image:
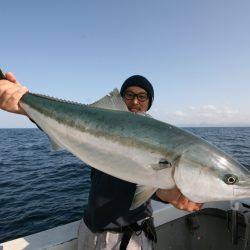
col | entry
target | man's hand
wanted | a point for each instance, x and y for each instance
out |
(178, 200)
(11, 92)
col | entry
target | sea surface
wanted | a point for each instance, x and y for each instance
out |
(40, 189)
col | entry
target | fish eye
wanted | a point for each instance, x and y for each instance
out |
(230, 179)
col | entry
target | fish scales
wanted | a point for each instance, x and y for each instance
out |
(135, 148)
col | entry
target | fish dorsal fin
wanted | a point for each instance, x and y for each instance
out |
(144, 114)
(112, 101)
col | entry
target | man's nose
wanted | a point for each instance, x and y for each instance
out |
(135, 100)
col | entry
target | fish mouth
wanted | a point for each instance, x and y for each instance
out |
(242, 189)
(241, 192)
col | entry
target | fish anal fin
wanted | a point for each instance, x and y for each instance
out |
(54, 145)
(142, 194)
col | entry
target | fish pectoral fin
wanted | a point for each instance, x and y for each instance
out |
(162, 164)
(111, 101)
(142, 194)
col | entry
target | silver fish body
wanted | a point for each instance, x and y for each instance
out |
(139, 149)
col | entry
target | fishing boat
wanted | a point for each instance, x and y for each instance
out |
(218, 226)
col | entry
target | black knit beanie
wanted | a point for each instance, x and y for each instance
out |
(141, 82)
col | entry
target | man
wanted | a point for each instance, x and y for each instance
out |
(108, 222)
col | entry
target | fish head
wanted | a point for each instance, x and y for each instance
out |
(204, 173)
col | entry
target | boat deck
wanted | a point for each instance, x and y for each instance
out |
(176, 229)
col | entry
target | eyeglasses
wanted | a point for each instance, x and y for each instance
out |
(142, 97)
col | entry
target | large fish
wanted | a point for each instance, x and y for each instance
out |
(139, 149)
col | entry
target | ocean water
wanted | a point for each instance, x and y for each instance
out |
(41, 190)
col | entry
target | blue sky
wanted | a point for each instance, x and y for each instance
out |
(195, 53)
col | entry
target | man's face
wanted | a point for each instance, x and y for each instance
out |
(137, 103)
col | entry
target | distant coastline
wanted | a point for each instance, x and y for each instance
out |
(234, 125)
